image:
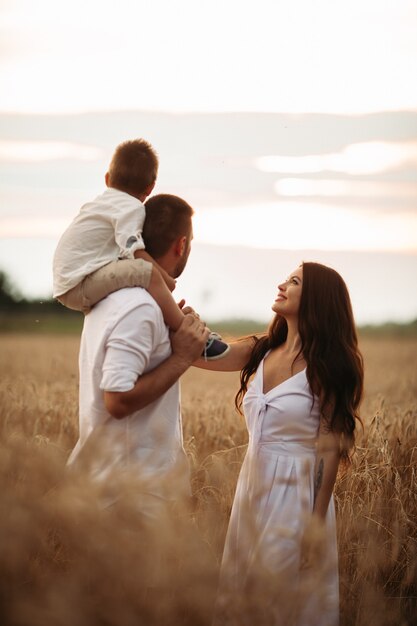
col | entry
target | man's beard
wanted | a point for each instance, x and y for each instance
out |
(182, 262)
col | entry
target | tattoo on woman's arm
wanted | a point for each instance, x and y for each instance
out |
(319, 478)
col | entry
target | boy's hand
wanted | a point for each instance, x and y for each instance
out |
(189, 340)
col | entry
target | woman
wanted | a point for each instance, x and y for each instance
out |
(280, 558)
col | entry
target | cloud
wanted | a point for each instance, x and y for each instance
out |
(310, 225)
(38, 151)
(210, 161)
(284, 56)
(346, 187)
(32, 227)
(355, 159)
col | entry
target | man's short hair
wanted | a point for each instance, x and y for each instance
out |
(134, 166)
(167, 218)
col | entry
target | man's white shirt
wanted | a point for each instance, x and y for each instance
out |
(125, 336)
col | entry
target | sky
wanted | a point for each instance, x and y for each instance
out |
(290, 126)
(234, 55)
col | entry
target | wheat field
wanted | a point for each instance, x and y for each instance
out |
(63, 562)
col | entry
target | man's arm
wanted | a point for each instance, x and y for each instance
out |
(187, 344)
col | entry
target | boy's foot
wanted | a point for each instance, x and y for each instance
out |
(215, 348)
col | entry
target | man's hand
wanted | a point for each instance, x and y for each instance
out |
(189, 340)
(188, 310)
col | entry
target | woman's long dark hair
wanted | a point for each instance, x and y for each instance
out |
(329, 345)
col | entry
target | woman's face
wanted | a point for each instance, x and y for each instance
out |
(287, 302)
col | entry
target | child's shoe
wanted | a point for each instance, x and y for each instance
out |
(215, 348)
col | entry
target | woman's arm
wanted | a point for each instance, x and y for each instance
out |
(325, 471)
(233, 361)
(327, 463)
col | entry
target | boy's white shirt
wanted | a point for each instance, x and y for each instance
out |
(108, 228)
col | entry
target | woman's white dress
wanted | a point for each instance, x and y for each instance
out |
(261, 580)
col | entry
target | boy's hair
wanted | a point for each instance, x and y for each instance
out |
(167, 218)
(134, 166)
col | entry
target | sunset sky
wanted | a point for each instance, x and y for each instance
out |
(216, 55)
(343, 181)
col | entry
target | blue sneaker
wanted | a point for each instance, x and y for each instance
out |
(215, 348)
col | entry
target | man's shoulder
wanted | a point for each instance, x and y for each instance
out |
(133, 298)
(134, 295)
(123, 309)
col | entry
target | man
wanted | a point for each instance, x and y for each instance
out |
(129, 369)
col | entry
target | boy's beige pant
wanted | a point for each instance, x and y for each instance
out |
(111, 277)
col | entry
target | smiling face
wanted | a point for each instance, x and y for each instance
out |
(287, 302)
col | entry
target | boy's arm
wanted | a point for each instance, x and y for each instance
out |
(142, 254)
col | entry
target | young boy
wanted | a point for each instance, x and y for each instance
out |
(102, 250)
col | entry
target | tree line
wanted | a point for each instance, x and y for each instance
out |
(12, 301)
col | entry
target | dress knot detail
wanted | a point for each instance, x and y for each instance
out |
(262, 404)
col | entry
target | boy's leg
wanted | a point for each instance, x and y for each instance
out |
(117, 275)
(111, 277)
(134, 273)
(158, 289)
(73, 299)
(114, 276)
(215, 348)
